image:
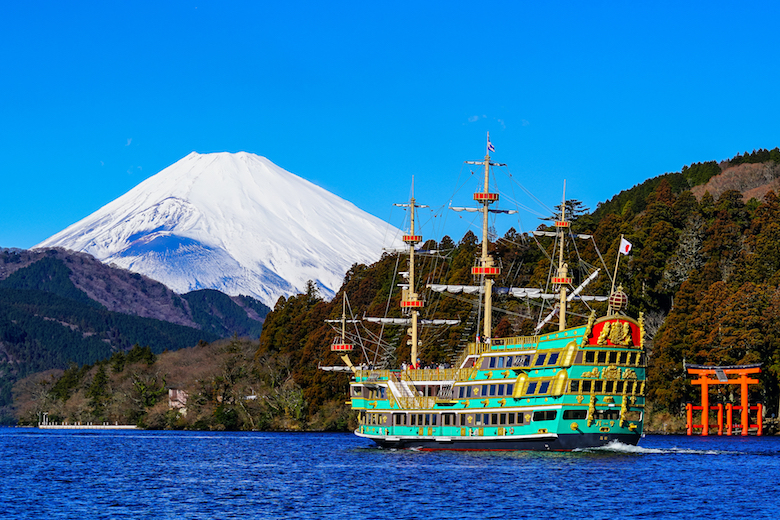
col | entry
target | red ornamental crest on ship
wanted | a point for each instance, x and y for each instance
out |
(619, 332)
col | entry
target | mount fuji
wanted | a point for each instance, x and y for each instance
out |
(232, 222)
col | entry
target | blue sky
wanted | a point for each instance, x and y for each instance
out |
(358, 97)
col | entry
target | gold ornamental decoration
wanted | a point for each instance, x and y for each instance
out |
(594, 374)
(588, 328)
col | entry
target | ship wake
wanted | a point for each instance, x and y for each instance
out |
(619, 447)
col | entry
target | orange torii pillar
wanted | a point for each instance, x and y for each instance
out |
(721, 378)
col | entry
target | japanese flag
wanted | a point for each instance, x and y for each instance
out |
(625, 246)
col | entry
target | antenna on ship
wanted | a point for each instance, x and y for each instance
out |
(487, 268)
(410, 300)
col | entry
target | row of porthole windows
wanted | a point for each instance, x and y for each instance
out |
(543, 387)
(600, 386)
(478, 419)
(613, 357)
(522, 360)
(467, 392)
(556, 386)
(599, 357)
(486, 419)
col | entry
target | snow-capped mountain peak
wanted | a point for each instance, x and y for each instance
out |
(234, 222)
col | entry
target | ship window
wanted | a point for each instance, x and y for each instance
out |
(461, 390)
(510, 388)
(427, 419)
(609, 387)
(468, 391)
(449, 419)
(598, 386)
(414, 420)
(553, 358)
(601, 358)
(478, 419)
(547, 415)
(463, 419)
(629, 387)
(399, 419)
(511, 418)
(540, 360)
(623, 358)
(492, 389)
(575, 386)
(619, 387)
(607, 415)
(494, 418)
(435, 419)
(521, 418)
(383, 392)
(613, 356)
(500, 389)
(501, 362)
(509, 361)
(586, 386)
(575, 414)
(590, 356)
(531, 388)
(484, 390)
(543, 387)
(502, 419)
(357, 390)
(492, 362)
(631, 358)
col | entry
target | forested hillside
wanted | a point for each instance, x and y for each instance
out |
(50, 317)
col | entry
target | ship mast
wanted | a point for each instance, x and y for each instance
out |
(410, 300)
(486, 268)
(562, 280)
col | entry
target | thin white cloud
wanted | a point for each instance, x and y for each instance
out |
(129, 140)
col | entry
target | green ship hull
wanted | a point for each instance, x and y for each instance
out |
(577, 388)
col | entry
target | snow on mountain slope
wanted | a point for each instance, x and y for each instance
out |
(232, 222)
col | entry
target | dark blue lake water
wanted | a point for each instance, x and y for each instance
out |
(149, 474)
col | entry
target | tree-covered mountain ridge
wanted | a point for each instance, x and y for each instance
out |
(58, 307)
(753, 174)
(118, 289)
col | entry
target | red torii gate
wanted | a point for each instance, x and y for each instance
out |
(721, 377)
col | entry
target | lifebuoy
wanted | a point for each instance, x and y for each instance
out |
(511, 431)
